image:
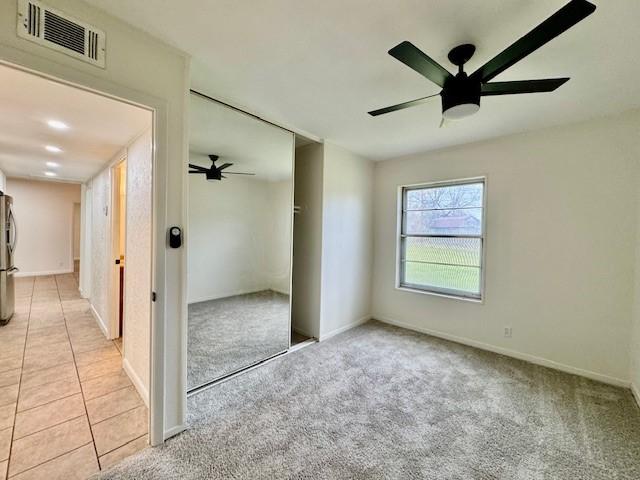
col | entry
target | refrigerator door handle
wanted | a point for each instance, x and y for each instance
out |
(14, 231)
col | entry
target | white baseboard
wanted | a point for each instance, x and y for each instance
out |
(232, 294)
(281, 292)
(512, 353)
(337, 331)
(636, 393)
(174, 431)
(98, 318)
(42, 273)
(137, 382)
(224, 295)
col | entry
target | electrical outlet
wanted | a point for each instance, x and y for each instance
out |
(507, 332)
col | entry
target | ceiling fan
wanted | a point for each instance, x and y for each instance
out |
(214, 173)
(461, 93)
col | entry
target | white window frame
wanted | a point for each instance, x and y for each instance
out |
(441, 292)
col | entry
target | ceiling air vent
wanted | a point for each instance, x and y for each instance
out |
(50, 27)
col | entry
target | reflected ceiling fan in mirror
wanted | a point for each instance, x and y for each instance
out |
(214, 173)
(461, 92)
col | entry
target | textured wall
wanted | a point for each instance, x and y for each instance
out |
(137, 323)
(101, 263)
(149, 72)
(76, 229)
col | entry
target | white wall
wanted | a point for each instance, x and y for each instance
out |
(101, 265)
(3, 181)
(137, 280)
(347, 230)
(634, 348)
(137, 276)
(239, 237)
(279, 234)
(332, 240)
(44, 219)
(133, 60)
(307, 240)
(84, 276)
(560, 248)
(77, 209)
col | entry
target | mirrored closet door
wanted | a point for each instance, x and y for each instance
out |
(239, 240)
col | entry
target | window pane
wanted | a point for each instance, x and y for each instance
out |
(444, 222)
(466, 279)
(456, 251)
(453, 196)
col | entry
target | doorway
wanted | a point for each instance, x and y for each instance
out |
(69, 186)
(77, 226)
(118, 248)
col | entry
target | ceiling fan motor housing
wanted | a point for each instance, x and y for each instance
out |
(212, 175)
(460, 96)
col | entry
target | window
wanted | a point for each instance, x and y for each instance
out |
(442, 238)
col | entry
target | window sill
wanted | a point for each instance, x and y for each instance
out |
(443, 295)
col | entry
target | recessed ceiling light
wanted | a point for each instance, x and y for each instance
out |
(51, 174)
(57, 124)
(52, 164)
(52, 149)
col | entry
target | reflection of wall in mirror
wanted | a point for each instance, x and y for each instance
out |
(279, 234)
(239, 237)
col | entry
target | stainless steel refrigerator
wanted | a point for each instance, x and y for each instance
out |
(8, 238)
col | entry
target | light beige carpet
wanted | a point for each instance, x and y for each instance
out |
(380, 402)
(228, 334)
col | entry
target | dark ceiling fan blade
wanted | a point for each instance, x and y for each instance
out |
(197, 167)
(238, 173)
(416, 59)
(562, 20)
(224, 165)
(197, 171)
(401, 106)
(522, 86)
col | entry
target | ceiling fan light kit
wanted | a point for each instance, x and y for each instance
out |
(461, 93)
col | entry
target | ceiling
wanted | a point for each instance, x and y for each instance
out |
(252, 145)
(320, 68)
(99, 128)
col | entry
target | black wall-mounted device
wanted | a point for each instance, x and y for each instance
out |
(175, 237)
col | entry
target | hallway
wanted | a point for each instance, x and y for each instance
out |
(67, 408)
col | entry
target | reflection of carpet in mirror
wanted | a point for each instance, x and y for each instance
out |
(230, 333)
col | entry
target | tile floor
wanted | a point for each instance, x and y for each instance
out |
(67, 409)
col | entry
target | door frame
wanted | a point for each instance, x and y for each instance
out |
(114, 247)
(159, 108)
